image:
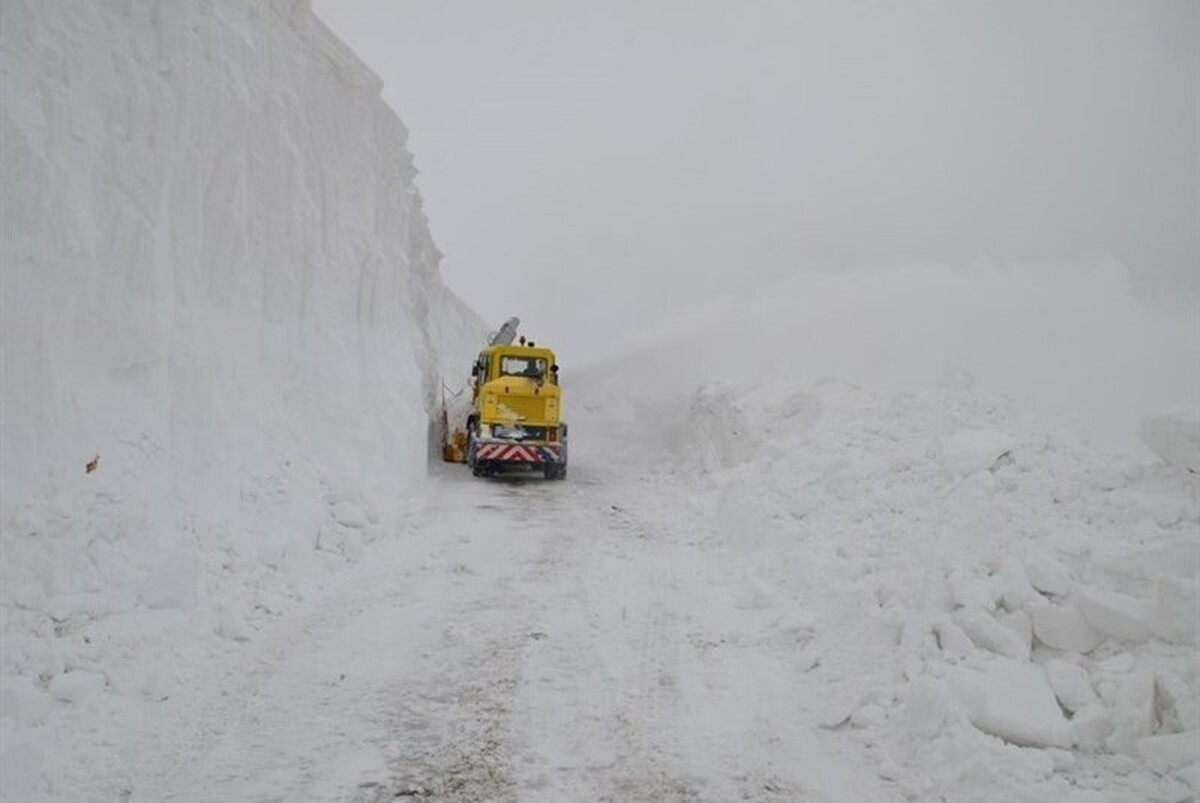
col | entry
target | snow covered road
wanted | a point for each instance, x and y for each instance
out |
(524, 641)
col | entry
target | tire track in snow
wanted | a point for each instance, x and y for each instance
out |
(649, 715)
(525, 641)
(409, 662)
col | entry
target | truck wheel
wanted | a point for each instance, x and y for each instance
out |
(472, 461)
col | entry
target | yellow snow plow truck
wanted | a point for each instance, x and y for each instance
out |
(514, 419)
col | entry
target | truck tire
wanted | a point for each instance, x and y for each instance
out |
(476, 467)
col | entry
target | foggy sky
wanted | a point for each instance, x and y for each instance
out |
(600, 164)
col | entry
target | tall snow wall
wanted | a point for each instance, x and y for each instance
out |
(219, 294)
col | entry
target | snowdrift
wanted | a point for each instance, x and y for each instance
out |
(996, 610)
(223, 326)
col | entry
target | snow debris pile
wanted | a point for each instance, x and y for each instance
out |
(223, 327)
(979, 582)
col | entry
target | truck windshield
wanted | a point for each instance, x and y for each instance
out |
(523, 366)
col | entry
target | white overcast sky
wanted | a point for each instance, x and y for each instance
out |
(602, 163)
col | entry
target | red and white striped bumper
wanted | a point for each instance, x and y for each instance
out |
(508, 452)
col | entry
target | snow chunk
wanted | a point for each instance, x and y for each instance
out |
(953, 641)
(349, 514)
(969, 591)
(1070, 685)
(870, 715)
(77, 685)
(1013, 701)
(1064, 628)
(1015, 587)
(989, 634)
(1176, 613)
(1047, 574)
(1091, 727)
(970, 450)
(1132, 706)
(1115, 614)
(1174, 437)
(1170, 751)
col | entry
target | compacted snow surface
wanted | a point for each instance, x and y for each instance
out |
(263, 590)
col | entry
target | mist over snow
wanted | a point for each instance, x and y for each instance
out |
(685, 150)
(878, 327)
(1068, 341)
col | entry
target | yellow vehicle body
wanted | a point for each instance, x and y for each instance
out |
(515, 418)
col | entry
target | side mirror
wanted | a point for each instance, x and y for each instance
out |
(554, 368)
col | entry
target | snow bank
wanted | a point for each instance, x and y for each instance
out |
(223, 326)
(985, 583)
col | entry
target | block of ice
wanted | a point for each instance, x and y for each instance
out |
(1064, 628)
(986, 633)
(1070, 685)
(1176, 609)
(1132, 708)
(1047, 574)
(1115, 614)
(1091, 727)
(1013, 701)
(1015, 587)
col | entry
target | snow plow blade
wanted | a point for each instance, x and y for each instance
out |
(454, 449)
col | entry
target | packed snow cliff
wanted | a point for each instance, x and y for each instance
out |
(223, 321)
